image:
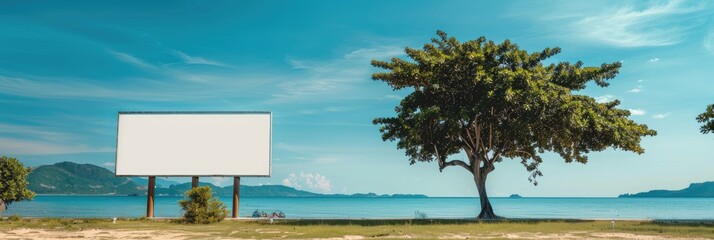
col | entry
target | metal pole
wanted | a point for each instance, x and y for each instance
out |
(194, 182)
(236, 196)
(150, 197)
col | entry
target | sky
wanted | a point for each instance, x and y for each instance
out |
(67, 68)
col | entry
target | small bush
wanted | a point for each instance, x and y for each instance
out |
(200, 206)
(13, 218)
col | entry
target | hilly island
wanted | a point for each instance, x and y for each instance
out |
(86, 179)
(704, 190)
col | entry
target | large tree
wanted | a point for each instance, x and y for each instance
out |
(707, 118)
(13, 181)
(494, 102)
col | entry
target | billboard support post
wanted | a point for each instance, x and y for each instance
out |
(150, 197)
(236, 196)
(194, 182)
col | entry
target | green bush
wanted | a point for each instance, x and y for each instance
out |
(13, 181)
(200, 206)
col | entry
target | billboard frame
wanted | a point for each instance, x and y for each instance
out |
(270, 138)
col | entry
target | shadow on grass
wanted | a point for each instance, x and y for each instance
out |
(382, 222)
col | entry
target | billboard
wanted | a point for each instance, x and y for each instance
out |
(193, 144)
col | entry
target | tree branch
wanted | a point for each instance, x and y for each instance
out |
(490, 133)
(443, 164)
(468, 143)
(480, 147)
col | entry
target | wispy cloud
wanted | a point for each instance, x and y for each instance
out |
(332, 78)
(34, 132)
(34, 147)
(637, 89)
(137, 89)
(637, 112)
(627, 24)
(604, 98)
(392, 96)
(308, 181)
(661, 115)
(197, 60)
(43, 140)
(47, 87)
(709, 41)
(172, 71)
(653, 60)
(127, 58)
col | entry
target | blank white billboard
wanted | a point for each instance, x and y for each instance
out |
(193, 144)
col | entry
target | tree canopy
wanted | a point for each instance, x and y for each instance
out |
(494, 101)
(707, 119)
(13, 181)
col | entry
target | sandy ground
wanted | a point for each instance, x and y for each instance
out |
(164, 234)
(96, 234)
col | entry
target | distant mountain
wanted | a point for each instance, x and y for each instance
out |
(159, 182)
(245, 191)
(73, 178)
(705, 189)
(268, 191)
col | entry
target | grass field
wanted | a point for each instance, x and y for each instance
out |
(352, 229)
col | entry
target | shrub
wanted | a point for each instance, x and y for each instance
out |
(13, 182)
(200, 206)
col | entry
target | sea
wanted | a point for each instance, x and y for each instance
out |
(378, 208)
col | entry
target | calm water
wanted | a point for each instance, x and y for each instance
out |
(588, 208)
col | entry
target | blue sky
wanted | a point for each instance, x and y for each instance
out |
(67, 68)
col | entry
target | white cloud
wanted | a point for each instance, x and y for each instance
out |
(604, 98)
(197, 60)
(637, 112)
(108, 164)
(308, 181)
(653, 60)
(639, 81)
(625, 23)
(36, 147)
(166, 89)
(661, 115)
(392, 96)
(709, 41)
(35, 132)
(332, 78)
(127, 58)
(379, 52)
(637, 89)
(42, 87)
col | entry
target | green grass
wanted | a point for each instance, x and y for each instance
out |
(416, 229)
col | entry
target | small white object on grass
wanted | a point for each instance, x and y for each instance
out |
(271, 220)
(613, 224)
(114, 220)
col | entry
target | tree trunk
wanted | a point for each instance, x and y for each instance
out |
(486, 209)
